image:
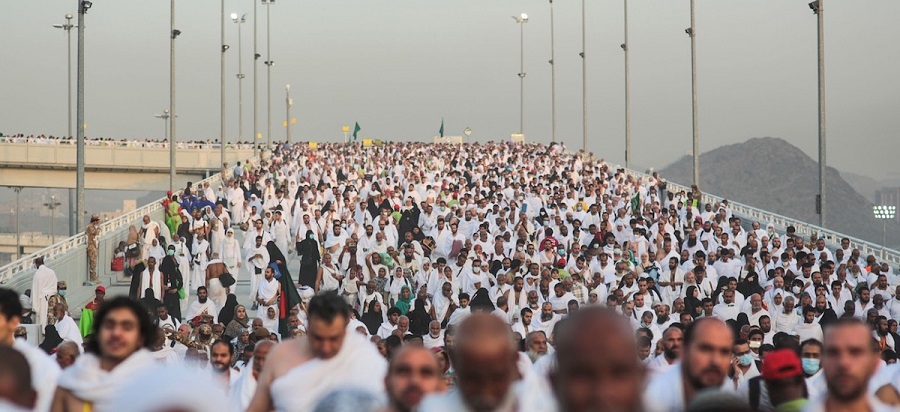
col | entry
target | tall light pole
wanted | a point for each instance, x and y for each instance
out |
(884, 214)
(817, 8)
(52, 204)
(222, 82)
(83, 7)
(170, 112)
(18, 190)
(165, 116)
(625, 47)
(692, 33)
(521, 20)
(583, 75)
(240, 75)
(288, 102)
(67, 26)
(269, 63)
(255, 97)
(552, 76)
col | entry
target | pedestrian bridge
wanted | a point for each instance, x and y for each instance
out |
(69, 256)
(29, 162)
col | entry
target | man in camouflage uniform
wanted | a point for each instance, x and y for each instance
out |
(60, 298)
(93, 248)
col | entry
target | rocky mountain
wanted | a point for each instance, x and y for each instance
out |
(771, 174)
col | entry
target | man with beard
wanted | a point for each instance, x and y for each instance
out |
(435, 336)
(705, 363)
(597, 366)
(672, 341)
(202, 306)
(848, 360)
(299, 372)
(547, 320)
(220, 356)
(536, 346)
(413, 373)
(882, 334)
(122, 333)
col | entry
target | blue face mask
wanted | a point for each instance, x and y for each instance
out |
(170, 252)
(810, 366)
(561, 252)
(62, 293)
(745, 360)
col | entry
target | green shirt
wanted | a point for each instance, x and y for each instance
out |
(792, 406)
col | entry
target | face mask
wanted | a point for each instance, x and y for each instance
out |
(62, 293)
(810, 366)
(476, 270)
(754, 344)
(796, 289)
(745, 360)
(561, 252)
(170, 252)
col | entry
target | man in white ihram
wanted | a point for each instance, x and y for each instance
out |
(298, 373)
(42, 287)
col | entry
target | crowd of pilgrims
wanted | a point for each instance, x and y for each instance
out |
(417, 238)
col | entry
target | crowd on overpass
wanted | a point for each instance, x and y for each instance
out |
(109, 142)
(474, 277)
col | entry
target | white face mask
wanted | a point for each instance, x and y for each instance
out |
(476, 270)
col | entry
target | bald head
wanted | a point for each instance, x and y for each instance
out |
(66, 353)
(485, 360)
(260, 353)
(15, 379)
(598, 365)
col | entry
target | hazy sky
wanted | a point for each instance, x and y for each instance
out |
(398, 66)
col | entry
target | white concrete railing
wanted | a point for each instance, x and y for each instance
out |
(31, 140)
(69, 257)
(102, 157)
(805, 230)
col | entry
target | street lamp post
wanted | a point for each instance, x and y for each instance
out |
(165, 116)
(52, 204)
(222, 82)
(240, 75)
(83, 7)
(170, 112)
(552, 77)
(67, 26)
(521, 20)
(817, 8)
(692, 33)
(625, 47)
(583, 75)
(884, 213)
(18, 190)
(269, 63)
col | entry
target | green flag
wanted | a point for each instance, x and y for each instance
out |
(442, 127)
(356, 130)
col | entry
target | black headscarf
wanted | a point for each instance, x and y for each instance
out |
(51, 339)
(373, 319)
(419, 319)
(750, 285)
(690, 302)
(308, 249)
(481, 300)
(227, 312)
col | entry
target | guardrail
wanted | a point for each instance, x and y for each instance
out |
(69, 256)
(156, 144)
(805, 230)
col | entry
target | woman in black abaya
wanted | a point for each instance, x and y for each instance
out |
(309, 260)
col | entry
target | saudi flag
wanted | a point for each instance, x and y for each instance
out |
(442, 127)
(356, 130)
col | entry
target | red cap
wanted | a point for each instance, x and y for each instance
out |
(100, 288)
(781, 364)
(561, 262)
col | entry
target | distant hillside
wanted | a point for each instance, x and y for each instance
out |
(771, 174)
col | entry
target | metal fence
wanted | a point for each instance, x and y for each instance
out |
(805, 230)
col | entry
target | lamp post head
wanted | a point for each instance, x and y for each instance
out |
(524, 17)
(814, 6)
(69, 17)
(884, 211)
(166, 111)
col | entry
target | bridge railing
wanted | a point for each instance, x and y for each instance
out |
(69, 256)
(30, 140)
(805, 230)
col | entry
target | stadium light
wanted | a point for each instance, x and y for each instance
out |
(884, 213)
